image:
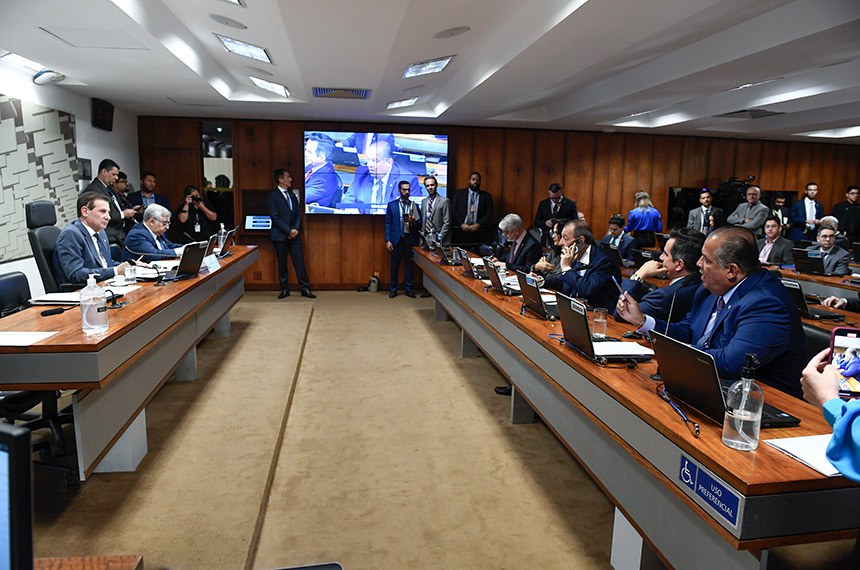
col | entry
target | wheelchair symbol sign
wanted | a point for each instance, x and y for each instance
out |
(688, 473)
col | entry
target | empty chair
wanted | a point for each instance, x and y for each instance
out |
(43, 231)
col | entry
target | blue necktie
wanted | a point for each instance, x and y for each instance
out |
(712, 323)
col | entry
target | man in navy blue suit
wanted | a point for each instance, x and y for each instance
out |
(148, 239)
(402, 228)
(740, 308)
(376, 183)
(147, 195)
(586, 271)
(82, 247)
(286, 215)
(322, 184)
(806, 215)
(678, 264)
(616, 237)
(525, 249)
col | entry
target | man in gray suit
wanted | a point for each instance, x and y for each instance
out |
(836, 259)
(751, 214)
(436, 216)
(773, 248)
(699, 218)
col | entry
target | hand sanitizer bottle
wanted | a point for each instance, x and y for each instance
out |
(94, 314)
(744, 402)
(222, 237)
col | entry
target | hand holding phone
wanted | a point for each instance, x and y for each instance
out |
(845, 355)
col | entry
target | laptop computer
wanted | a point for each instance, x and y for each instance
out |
(471, 269)
(448, 257)
(577, 333)
(640, 256)
(855, 249)
(189, 263)
(228, 241)
(690, 376)
(542, 304)
(661, 240)
(806, 311)
(496, 279)
(808, 261)
(613, 253)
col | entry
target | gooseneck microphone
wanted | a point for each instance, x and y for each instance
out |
(159, 279)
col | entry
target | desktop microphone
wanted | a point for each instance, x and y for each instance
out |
(56, 311)
(159, 279)
(113, 298)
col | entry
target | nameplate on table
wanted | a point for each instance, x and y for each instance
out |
(716, 496)
(211, 264)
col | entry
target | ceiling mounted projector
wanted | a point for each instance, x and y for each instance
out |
(47, 76)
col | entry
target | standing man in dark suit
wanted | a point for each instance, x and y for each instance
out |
(699, 218)
(402, 227)
(146, 195)
(740, 308)
(525, 249)
(616, 237)
(82, 247)
(472, 213)
(782, 213)
(848, 214)
(773, 248)
(806, 215)
(376, 183)
(436, 213)
(286, 215)
(120, 210)
(678, 263)
(836, 259)
(586, 271)
(556, 207)
(322, 184)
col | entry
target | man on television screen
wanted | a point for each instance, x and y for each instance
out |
(322, 184)
(376, 183)
(472, 213)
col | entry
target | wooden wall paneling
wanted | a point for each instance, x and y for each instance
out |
(487, 156)
(646, 160)
(748, 159)
(773, 160)
(174, 168)
(287, 142)
(459, 158)
(665, 173)
(694, 162)
(636, 148)
(263, 275)
(168, 132)
(324, 249)
(549, 163)
(358, 250)
(608, 194)
(518, 175)
(798, 168)
(252, 155)
(579, 151)
(721, 161)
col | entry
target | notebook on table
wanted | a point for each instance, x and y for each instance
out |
(806, 311)
(540, 303)
(577, 333)
(690, 376)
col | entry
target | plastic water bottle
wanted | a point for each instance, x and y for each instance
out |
(94, 313)
(744, 402)
(222, 238)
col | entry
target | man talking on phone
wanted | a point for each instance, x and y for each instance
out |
(740, 308)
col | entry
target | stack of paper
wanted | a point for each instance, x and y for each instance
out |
(809, 450)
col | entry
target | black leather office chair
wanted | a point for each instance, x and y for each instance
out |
(16, 405)
(816, 340)
(43, 231)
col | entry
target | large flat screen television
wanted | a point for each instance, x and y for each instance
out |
(358, 172)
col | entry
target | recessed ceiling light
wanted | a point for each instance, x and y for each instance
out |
(843, 133)
(225, 21)
(425, 67)
(245, 49)
(19, 61)
(259, 71)
(276, 88)
(403, 103)
(451, 33)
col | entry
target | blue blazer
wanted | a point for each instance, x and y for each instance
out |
(323, 187)
(361, 189)
(528, 254)
(658, 303)
(75, 255)
(394, 223)
(644, 219)
(136, 199)
(760, 319)
(140, 241)
(625, 248)
(595, 284)
(285, 217)
(798, 220)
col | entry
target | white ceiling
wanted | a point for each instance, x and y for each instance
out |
(555, 64)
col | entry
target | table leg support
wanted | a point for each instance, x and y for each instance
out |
(468, 348)
(187, 369)
(129, 450)
(439, 313)
(521, 410)
(629, 551)
(222, 327)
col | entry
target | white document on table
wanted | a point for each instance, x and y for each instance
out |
(23, 338)
(809, 450)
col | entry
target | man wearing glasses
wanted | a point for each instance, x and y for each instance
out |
(148, 239)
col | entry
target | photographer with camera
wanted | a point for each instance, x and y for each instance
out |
(196, 219)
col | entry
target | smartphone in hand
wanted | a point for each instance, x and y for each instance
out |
(845, 355)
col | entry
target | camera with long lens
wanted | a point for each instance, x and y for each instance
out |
(196, 199)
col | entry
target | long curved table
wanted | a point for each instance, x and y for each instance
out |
(695, 502)
(116, 374)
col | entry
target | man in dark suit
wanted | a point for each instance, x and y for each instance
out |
(82, 247)
(146, 195)
(678, 263)
(699, 218)
(556, 207)
(525, 249)
(806, 215)
(848, 214)
(782, 213)
(322, 184)
(286, 214)
(376, 183)
(587, 271)
(472, 213)
(836, 259)
(120, 210)
(616, 237)
(402, 227)
(435, 213)
(148, 238)
(740, 309)
(773, 248)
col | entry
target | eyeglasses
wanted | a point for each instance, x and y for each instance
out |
(162, 222)
(694, 427)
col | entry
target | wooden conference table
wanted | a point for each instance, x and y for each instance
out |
(116, 374)
(696, 502)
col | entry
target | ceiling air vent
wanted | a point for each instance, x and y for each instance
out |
(750, 114)
(341, 93)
